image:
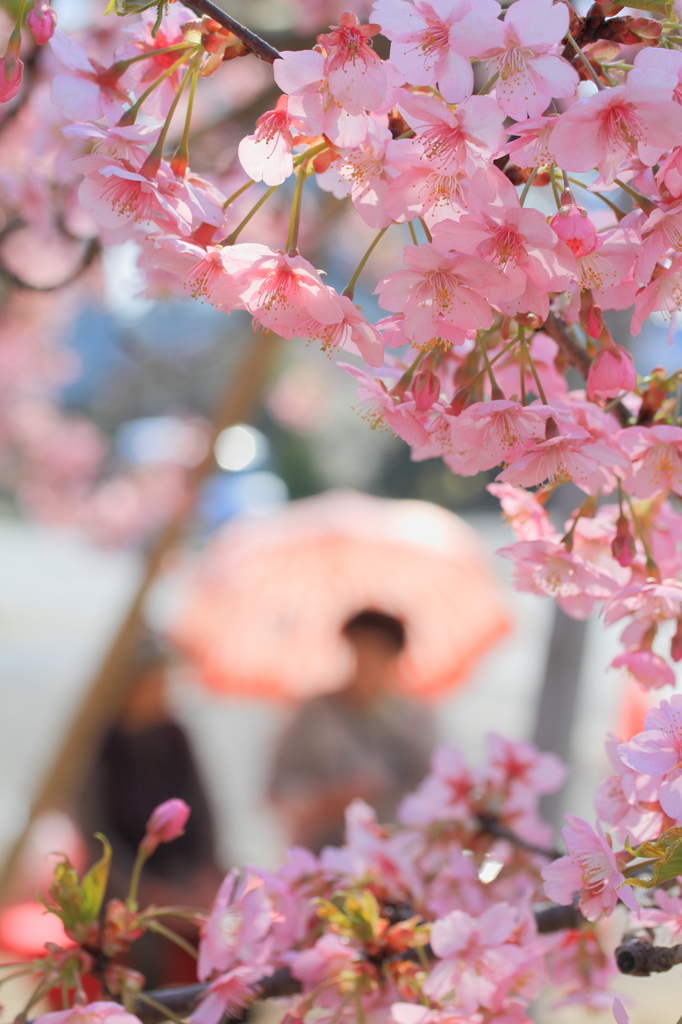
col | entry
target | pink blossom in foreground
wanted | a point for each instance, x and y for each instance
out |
(166, 823)
(520, 49)
(612, 372)
(649, 670)
(42, 21)
(606, 129)
(237, 926)
(229, 994)
(656, 454)
(11, 75)
(383, 409)
(548, 567)
(433, 43)
(266, 155)
(352, 333)
(662, 295)
(201, 271)
(92, 1013)
(85, 91)
(489, 433)
(361, 173)
(118, 196)
(475, 955)
(283, 292)
(590, 869)
(457, 138)
(357, 76)
(531, 146)
(668, 915)
(658, 751)
(441, 296)
(589, 464)
(527, 517)
(628, 801)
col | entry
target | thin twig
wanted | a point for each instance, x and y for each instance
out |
(262, 49)
(91, 252)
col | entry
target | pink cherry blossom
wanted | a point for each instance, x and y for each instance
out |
(628, 800)
(229, 994)
(548, 567)
(440, 295)
(118, 196)
(647, 668)
(266, 155)
(612, 372)
(357, 76)
(649, 602)
(237, 926)
(361, 173)
(520, 50)
(489, 433)
(124, 142)
(668, 916)
(201, 271)
(611, 126)
(455, 138)
(499, 229)
(658, 751)
(42, 21)
(430, 42)
(590, 869)
(352, 333)
(86, 91)
(283, 292)
(475, 955)
(383, 409)
(324, 961)
(525, 514)
(445, 794)
(531, 146)
(656, 455)
(588, 463)
(419, 189)
(544, 351)
(140, 74)
(166, 823)
(92, 1013)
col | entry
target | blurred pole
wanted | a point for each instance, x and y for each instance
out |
(110, 686)
(558, 698)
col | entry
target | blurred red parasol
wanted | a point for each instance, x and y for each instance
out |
(270, 595)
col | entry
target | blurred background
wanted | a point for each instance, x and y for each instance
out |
(137, 429)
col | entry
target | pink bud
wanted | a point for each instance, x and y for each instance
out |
(42, 21)
(574, 227)
(623, 546)
(166, 823)
(425, 390)
(612, 372)
(11, 72)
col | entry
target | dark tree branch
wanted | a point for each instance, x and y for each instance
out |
(640, 957)
(183, 1000)
(91, 252)
(489, 823)
(264, 51)
(577, 357)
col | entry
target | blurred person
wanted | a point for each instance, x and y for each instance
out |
(364, 740)
(145, 758)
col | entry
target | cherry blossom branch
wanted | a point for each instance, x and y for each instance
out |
(638, 956)
(182, 1000)
(91, 252)
(577, 357)
(489, 823)
(262, 49)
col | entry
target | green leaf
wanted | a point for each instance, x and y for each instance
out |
(94, 884)
(663, 7)
(664, 855)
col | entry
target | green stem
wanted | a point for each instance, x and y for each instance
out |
(295, 219)
(350, 287)
(533, 370)
(14, 41)
(122, 65)
(181, 156)
(151, 164)
(130, 115)
(642, 201)
(489, 84)
(131, 901)
(413, 233)
(555, 187)
(522, 365)
(160, 929)
(496, 391)
(528, 184)
(616, 209)
(481, 373)
(231, 239)
(310, 154)
(592, 73)
(238, 193)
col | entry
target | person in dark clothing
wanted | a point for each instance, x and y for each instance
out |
(365, 740)
(144, 760)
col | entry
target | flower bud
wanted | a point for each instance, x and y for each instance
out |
(166, 823)
(425, 390)
(42, 21)
(623, 546)
(574, 227)
(612, 372)
(11, 72)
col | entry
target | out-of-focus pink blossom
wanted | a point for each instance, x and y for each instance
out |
(647, 668)
(166, 823)
(588, 463)
(527, 517)
(658, 751)
(92, 1013)
(11, 74)
(590, 869)
(229, 994)
(42, 21)
(548, 567)
(384, 409)
(656, 454)
(455, 138)
(237, 927)
(489, 433)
